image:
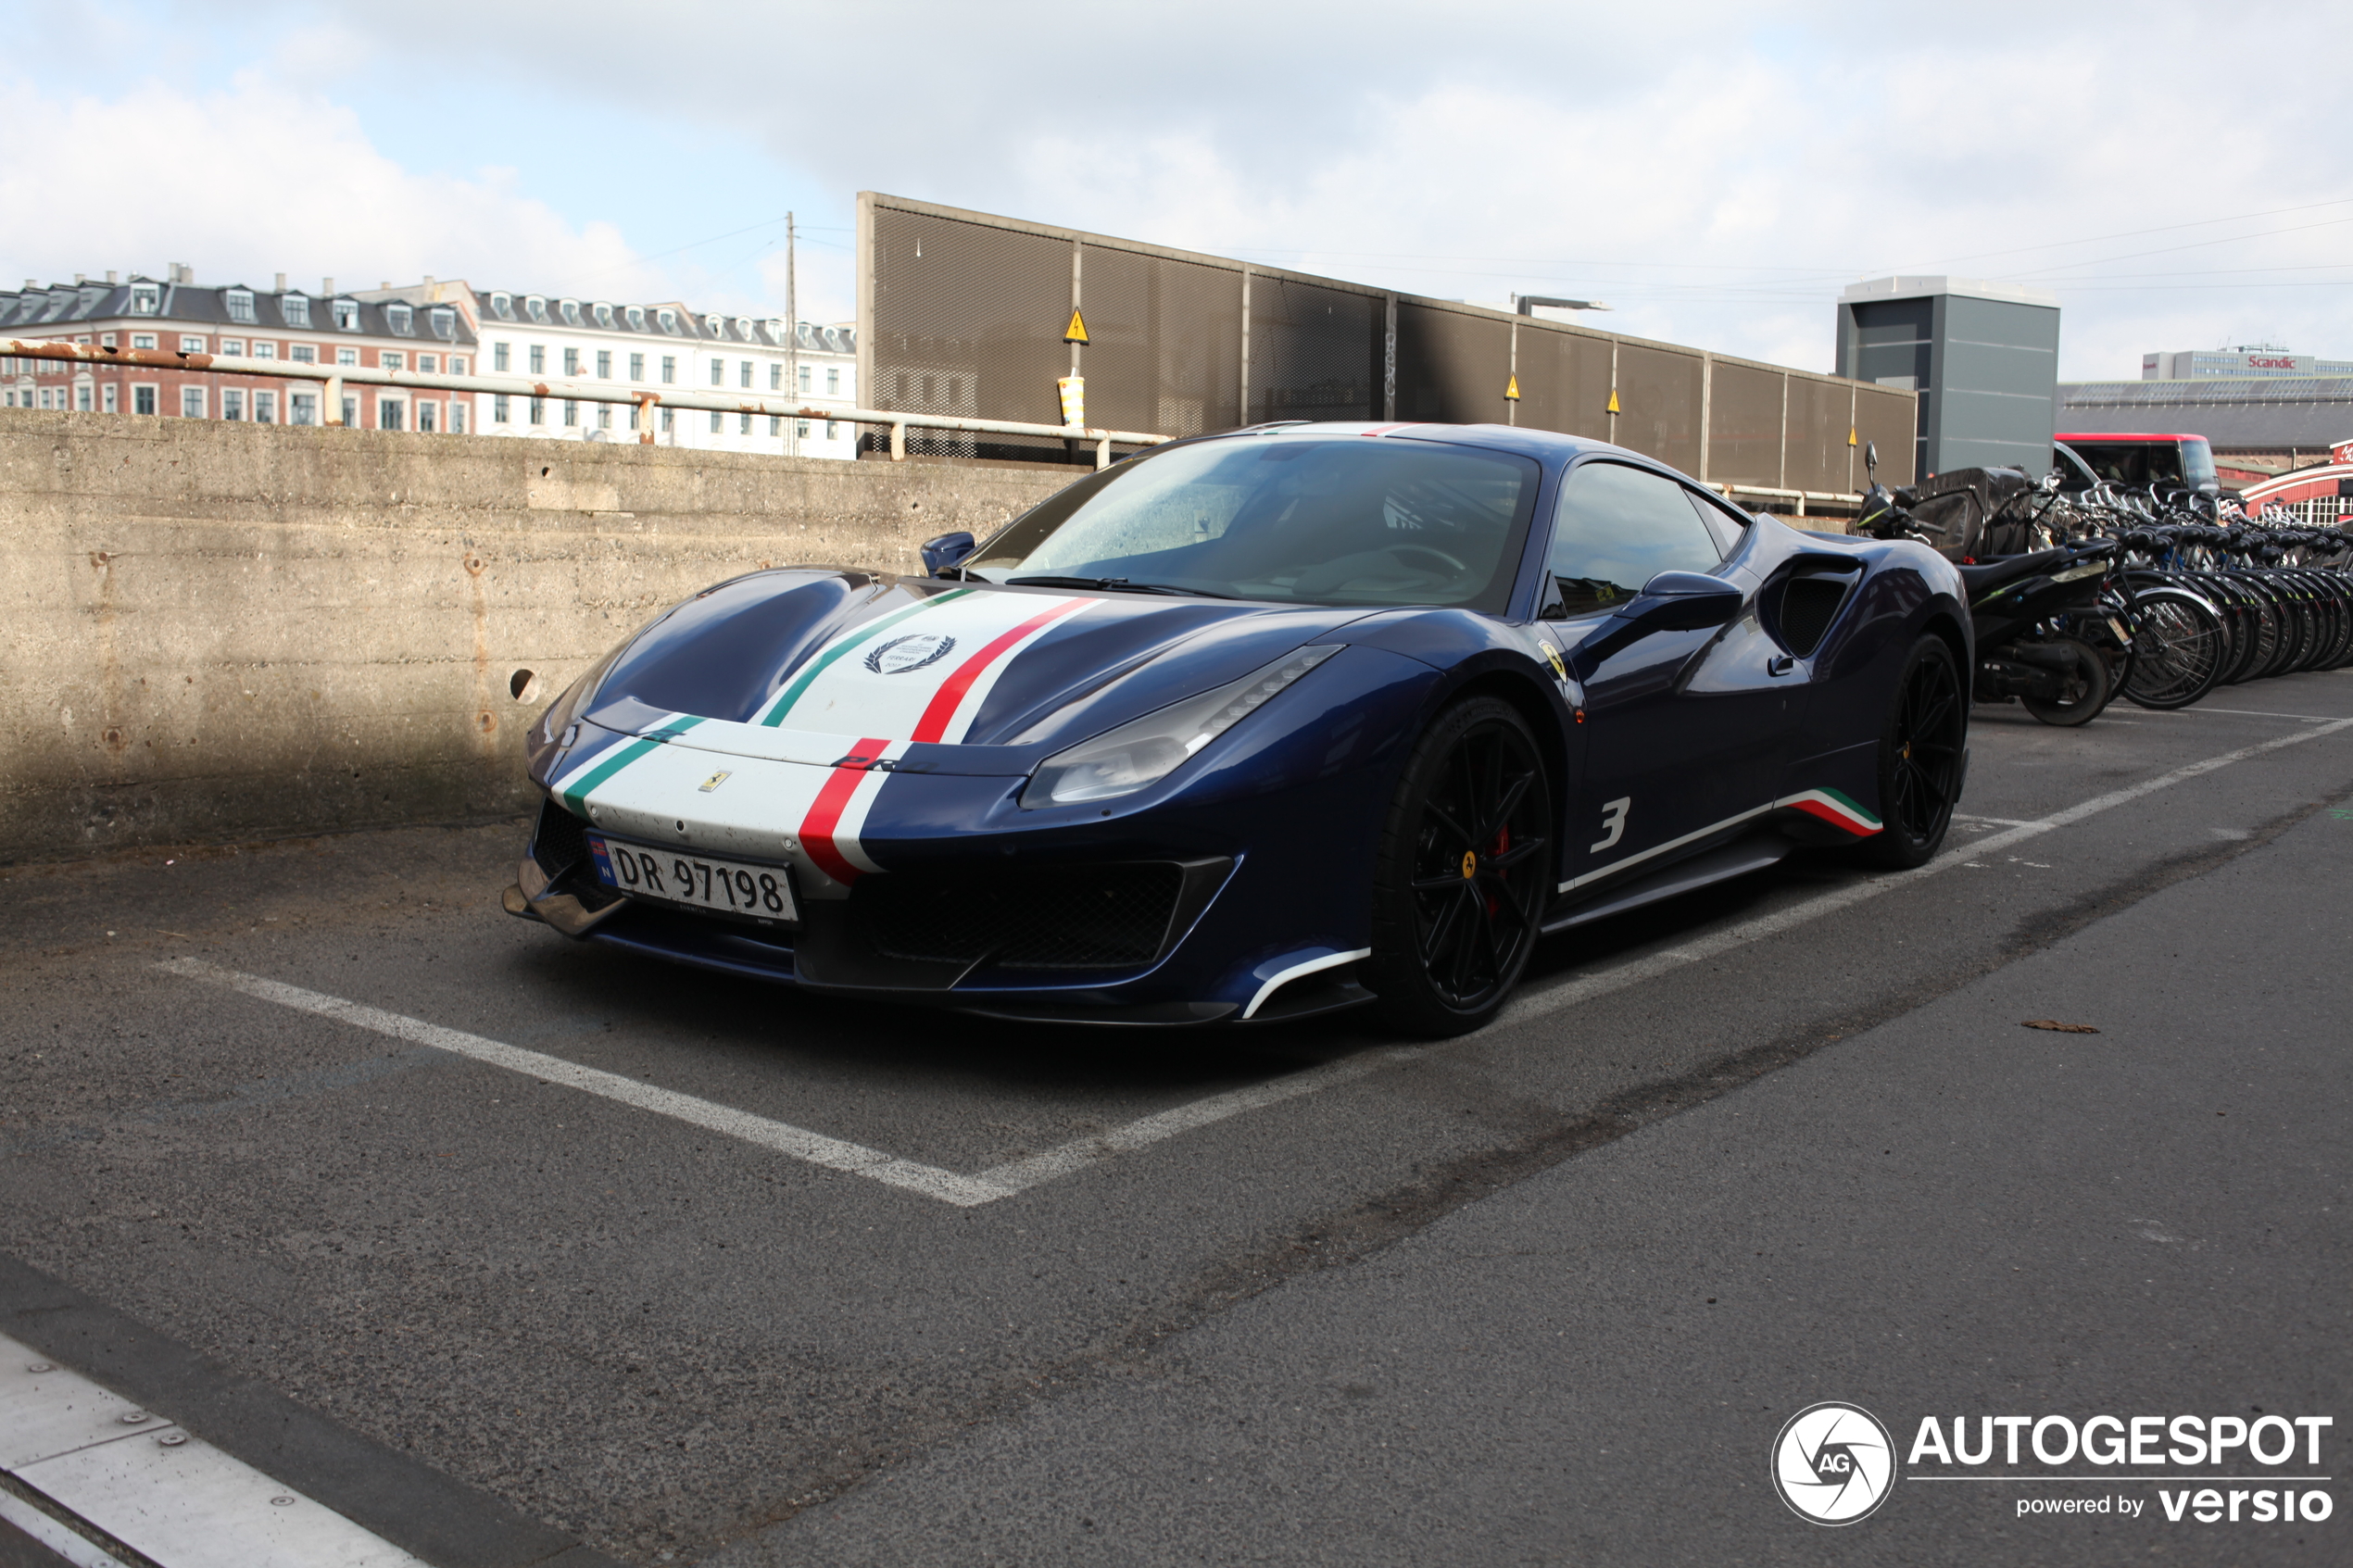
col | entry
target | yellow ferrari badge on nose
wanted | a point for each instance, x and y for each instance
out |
(715, 780)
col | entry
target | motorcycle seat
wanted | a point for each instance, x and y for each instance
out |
(1989, 575)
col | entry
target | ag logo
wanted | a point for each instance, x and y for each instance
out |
(912, 652)
(1833, 1463)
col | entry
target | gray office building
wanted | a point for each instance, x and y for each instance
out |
(1983, 356)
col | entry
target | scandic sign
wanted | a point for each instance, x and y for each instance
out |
(2256, 362)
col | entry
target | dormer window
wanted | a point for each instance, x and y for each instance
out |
(744, 329)
(570, 308)
(347, 315)
(668, 321)
(296, 308)
(145, 298)
(240, 304)
(715, 325)
(401, 320)
(503, 307)
(444, 323)
(636, 315)
(604, 315)
(536, 307)
(776, 333)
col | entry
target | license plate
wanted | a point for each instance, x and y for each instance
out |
(697, 881)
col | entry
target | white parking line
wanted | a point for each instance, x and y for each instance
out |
(1536, 1004)
(834, 1154)
(1018, 1175)
(2259, 713)
(172, 1499)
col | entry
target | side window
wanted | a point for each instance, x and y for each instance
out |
(1727, 525)
(1619, 528)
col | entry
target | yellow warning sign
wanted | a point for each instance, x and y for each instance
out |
(1511, 389)
(1076, 331)
(1850, 435)
(1613, 402)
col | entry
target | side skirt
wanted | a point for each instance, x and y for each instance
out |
(1752, 851)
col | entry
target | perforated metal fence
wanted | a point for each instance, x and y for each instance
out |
(967, 313)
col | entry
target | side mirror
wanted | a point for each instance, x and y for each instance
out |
(1682, 601)
(1870, 456)
(945, 551)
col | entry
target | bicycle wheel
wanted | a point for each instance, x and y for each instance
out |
(2178, 649)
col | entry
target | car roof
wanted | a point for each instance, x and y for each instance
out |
(1546, 446)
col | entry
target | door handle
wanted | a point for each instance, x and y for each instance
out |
(1779, 664)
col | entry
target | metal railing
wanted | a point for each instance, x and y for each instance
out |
(335, 377)
(1830, 497)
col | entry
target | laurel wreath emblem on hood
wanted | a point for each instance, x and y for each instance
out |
(913, 651)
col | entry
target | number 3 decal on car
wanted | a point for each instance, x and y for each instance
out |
(1613, 822)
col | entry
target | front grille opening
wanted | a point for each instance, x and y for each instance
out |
(560, 842)
(1058, 917)
(1809, 605)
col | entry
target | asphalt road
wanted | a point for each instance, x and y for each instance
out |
(1296, 1297)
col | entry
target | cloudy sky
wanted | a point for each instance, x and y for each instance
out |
(1716, 171)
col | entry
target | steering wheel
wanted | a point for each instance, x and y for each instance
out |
(1403, 551)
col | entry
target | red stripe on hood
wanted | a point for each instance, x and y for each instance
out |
(942, 707)
(824, 813)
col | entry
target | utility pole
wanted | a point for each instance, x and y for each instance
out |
(792, 341)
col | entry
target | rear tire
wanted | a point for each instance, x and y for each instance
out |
(2087, 693)
(1462, 873)
(1919, 759)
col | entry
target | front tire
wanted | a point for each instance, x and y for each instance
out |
(1919, 759)
(1461, 873)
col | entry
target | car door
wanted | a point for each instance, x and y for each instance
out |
(1684, 730)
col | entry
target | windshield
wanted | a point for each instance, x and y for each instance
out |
(1343, 520)
(2197, 462)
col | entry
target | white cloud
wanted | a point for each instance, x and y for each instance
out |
(257, 179)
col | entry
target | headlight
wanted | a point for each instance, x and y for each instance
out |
(1145, 750)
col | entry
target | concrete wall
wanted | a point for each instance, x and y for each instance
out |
(224, 631)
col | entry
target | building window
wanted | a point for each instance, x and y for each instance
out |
(143, 399)
(106, 340)
(189, 344)
(346, 313)
(240, 303)
(636, 317)
(264, 407)
(390, 413)
(743, 425)
(669, 419)
(233, 403)
(294, 308)
(143, 340)
(572, 361)
(502, 306)
(776, 424)
(457, 419)
(402, 321)
(427, 364)
(667, 320)
(833, 382)
(719, 372)
(82, 397)
(346, 357)
(669, 370)
(265, 351)
(633, 413)
(801, 429)
(304, 353)
(571, 413)
(457, 364)
(570, 308)
(604, 364)
(145, 298)
(636, 367)
(714, 421)
(191, 402)
(426, 420)
(302, 408)
(501, 358)
(444, 323)
(539, 410)
(776, 377)
(110, 399)
(351, 413)
(833, 431)
(536, 309)
(604, 315)
(538, 360)
(604, 416)
(805, 373)
(392, 360)
(498, 410)
(743, 374)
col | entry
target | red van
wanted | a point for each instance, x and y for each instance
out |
(2134, 460)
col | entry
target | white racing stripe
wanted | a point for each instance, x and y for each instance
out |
(169, 1496)
(1017, 1176)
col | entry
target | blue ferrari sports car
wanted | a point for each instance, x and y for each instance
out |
(1251, 727)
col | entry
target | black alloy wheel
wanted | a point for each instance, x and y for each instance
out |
(1919, 759)
(1463, 871)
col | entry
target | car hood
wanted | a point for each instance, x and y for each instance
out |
(983, 678)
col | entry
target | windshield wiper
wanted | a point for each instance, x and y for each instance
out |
(1120, 584)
